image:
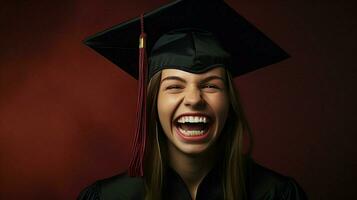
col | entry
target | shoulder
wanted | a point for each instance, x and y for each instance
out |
(264, 183)
(117, 187)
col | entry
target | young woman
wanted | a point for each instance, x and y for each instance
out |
(189, 141)
(198, 126)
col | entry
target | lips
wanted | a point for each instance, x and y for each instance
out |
(193, 126)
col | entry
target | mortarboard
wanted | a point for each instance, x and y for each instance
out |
(191, 35)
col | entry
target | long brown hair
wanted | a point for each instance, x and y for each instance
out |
(235, 127)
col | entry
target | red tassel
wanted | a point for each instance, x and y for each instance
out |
(136, 163)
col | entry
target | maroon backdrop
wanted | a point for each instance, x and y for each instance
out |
(67, 114)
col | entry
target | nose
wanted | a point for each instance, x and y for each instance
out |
(193, 97)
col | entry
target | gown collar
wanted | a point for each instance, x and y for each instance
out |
(210, 188)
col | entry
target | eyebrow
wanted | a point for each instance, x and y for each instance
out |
(184, 81)
(173, 78)
(212, 78)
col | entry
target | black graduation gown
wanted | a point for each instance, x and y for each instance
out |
(262, 184)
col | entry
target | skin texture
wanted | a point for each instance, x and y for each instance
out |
(186, 93)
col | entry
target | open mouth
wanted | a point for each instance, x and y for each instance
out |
(193, 126)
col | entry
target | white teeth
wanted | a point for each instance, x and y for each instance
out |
(192, 119)
(192, 132)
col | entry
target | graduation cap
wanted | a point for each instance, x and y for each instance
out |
(190, 35)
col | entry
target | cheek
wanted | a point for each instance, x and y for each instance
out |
(165, 107)
(220, 105)
(161, 108)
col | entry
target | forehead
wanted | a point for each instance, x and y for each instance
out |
(218, 71)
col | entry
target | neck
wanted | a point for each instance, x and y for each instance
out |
(191, 168)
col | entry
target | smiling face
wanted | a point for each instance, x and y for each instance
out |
(192, 108)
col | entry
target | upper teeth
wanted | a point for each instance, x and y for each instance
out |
(192, 119)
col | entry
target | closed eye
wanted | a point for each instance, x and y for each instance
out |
(173, 87)
(211, 88)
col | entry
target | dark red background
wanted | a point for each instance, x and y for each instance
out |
(67, 114)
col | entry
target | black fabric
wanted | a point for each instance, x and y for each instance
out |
(191, 50)
(262, 184)
(209, 189)
(91, 192)
(249, 48)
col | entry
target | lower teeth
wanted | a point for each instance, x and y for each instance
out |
(192, 132)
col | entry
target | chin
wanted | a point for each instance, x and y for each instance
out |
(192, 149)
